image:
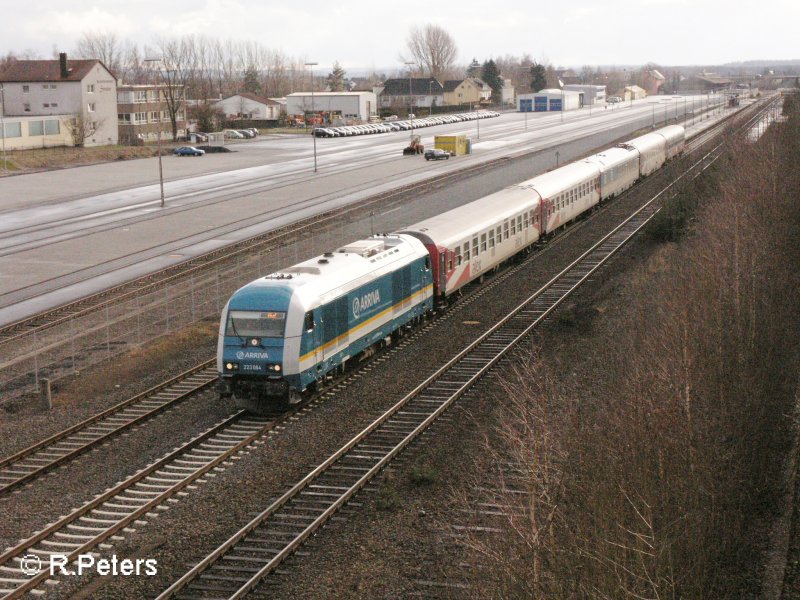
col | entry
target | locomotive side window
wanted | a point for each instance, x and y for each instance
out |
(427, 263)
(308, 321)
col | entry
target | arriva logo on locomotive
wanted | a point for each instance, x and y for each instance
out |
(366, 302)
(242, 355)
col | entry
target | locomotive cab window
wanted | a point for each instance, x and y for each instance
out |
(308, 321)
(427, 263)
(254, 323)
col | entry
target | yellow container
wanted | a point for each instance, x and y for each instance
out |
(454, 144)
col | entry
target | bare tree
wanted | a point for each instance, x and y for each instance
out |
(433, 49)
(105, 47)
(81, 127)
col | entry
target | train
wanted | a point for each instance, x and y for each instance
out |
(285, 334)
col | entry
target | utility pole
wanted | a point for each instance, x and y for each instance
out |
(410, 98)
(314, 124)
(158, 103)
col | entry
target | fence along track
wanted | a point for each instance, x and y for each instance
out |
(66, 445)
(238, 565)
(128, 502)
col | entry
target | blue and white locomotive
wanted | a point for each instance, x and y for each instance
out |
(285, 333)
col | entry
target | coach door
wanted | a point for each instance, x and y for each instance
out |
(442, 271)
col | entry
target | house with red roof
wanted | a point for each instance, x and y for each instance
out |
(58, 102)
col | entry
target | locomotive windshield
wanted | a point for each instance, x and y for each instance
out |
(253, 323)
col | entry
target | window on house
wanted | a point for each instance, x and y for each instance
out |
(54, 105)
(27, 107)
(52, 127)
(26, 89)
(155, 116)
(13, 130)
(90, 88)
(46, 105)
(35, 127)
(140, 96)
(91, 106)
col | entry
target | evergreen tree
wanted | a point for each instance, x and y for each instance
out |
(491, 76)
(336, 78)
(538, 77)
(474, 68)
(251, 83)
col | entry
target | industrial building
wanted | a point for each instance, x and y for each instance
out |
(592, 94)
(333, 107)
(549, 100)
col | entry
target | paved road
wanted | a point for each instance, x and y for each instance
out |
(68, 232)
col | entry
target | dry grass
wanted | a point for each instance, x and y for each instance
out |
(153, 361)
(54, 158)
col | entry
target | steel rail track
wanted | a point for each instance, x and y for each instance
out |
(239, 564)
(46, 455)
(28, 464)
(127, 503)
(190, 267)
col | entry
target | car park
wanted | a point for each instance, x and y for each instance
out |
(436, 154)
(188, 151)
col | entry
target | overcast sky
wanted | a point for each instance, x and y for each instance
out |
(370, 34)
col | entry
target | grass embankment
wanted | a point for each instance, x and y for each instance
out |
(57, 158)
(654, 444)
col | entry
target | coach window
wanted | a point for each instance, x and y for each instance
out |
(466, 251)
(513, 226)
(491, 238)
(474, 246)
(483, 242)
(525, 223)
(499, 235)
(519, 224)
(308, 321)
(458, 255)
(505, 230)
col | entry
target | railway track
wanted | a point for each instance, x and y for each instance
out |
(128, 503)
(260, 243)
(44, 456)
(238, 565)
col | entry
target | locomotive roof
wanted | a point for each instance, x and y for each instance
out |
(462, 222)
(336, 271)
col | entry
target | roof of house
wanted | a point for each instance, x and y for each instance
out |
(419, 86)
(48, 70)
(253, 97)
(656, 74)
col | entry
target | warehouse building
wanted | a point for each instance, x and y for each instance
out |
(592, 94)
(333, 107)
(549, 100)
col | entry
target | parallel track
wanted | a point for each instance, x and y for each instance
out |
(98, 429)
(238, 565)
(129, 502)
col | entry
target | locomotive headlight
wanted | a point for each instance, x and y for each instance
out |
(277, 368)
(231, 366)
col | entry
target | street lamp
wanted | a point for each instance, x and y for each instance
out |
(158, 102)
(410, 97)
(3, 124)
(314, 124)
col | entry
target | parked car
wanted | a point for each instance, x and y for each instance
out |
(200, 137)
(189, 151)
(436, 154)
(230, 134)
(613, 99)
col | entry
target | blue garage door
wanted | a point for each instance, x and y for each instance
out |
(540, 103)
(555, 104)
(525, 105)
